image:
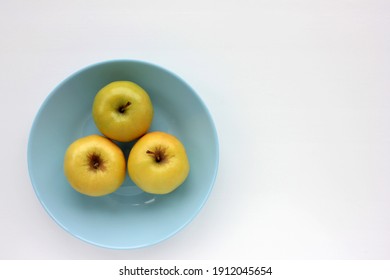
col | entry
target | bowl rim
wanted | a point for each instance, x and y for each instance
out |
(52, 93)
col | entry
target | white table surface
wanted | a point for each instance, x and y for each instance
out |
(300, 95)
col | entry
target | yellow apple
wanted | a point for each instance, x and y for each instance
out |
(94, 165)
(122, 111)
(158, 163)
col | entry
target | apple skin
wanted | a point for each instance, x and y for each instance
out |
(103, 178)
(151, 175)
(122, 111)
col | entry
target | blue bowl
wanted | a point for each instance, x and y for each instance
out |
(128, 218)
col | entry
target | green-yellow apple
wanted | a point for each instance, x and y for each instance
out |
(94, 165)
(158, 163)
(122, 111)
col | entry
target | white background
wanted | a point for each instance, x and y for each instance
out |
(299, 91)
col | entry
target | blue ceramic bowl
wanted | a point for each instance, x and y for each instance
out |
(128, 218)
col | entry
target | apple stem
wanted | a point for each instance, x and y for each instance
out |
(96, 162)
(156, 155)
(123, 108)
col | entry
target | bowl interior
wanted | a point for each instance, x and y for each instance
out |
(128, 218)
